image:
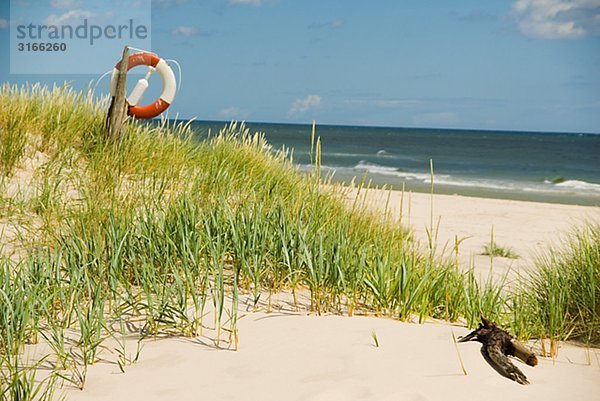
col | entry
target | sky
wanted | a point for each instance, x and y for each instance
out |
(531, 65)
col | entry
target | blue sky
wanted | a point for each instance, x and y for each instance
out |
(515, 65)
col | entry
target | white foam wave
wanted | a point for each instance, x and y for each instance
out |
(566, 187)
(580, 185)
(488, 184)
(391, 171)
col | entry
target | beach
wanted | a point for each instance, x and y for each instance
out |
(263, 200)
(162, 267)
(527, 228)
(291, 355)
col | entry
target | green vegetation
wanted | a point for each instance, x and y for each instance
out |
(375, 339)
(562, 300)
(493, 249)
(160, 234)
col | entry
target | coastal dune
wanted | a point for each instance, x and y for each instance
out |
(298, 357)
(289, 355)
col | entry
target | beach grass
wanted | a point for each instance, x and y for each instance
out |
(562, 298)
(375, 338)
(493, 249)
(165, 233)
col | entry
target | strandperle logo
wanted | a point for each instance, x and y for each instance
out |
(86, 30)
(75, 37)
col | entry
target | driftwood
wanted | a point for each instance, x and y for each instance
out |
(117, 112)
(498, 345)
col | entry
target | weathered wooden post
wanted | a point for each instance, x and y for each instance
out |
(117, 112)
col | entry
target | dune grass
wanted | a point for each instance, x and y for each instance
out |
(493, 249)
(563, 297)
(165, 234)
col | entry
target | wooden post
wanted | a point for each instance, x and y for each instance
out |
(117, 112)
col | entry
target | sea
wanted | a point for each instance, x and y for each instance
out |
(531, 166)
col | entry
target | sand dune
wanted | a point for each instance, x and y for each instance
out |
(294, 356)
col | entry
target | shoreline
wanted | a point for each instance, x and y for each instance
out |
(571, 199)
(515, 165)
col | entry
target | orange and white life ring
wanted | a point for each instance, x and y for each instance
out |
(154, 63)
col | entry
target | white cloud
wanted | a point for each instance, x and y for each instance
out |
(439, 118)
(557, 19)
(303, 105)
(69, 18)
(186, 31)
(66, 4)
(248, 2)
(4, 24)
(233, 113)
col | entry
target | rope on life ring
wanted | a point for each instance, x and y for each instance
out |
(167, 96)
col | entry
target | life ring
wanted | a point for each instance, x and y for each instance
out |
(154, 63)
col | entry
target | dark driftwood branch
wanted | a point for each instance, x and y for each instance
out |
(498, 345)
(117, 112)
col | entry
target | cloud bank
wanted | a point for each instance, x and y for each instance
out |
(557, 19)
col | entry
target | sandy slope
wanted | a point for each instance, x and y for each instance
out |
(288, 356)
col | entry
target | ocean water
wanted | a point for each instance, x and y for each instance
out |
(536, 166)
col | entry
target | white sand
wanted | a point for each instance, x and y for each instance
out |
(287, 356)
(527, 228)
